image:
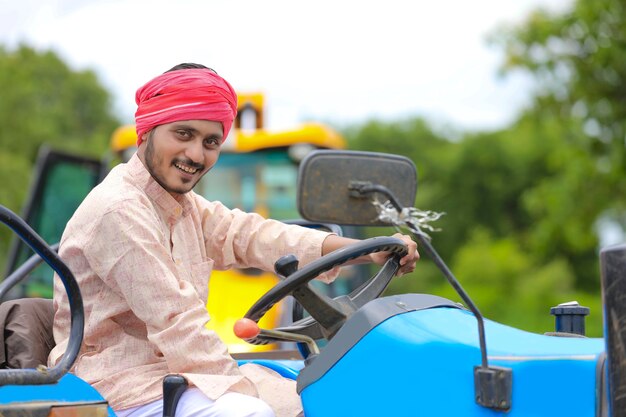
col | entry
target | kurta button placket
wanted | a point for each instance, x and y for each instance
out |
(175, 217)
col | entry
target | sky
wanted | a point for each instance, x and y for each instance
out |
(340, 61)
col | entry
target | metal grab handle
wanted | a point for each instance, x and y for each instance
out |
(44, 375)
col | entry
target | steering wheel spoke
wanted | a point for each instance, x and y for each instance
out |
(328, 311)
(374, 287)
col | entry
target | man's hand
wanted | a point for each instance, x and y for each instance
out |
(407, 263)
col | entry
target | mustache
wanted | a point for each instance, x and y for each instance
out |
(190, 163)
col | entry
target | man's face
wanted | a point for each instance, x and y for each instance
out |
(178, 154)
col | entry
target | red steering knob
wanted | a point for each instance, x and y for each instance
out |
(246, 329)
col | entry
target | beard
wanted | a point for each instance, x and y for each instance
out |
(153, 162)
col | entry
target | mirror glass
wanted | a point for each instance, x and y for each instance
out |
(326, 176)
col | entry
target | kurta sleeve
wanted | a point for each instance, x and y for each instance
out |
(129, 251)
(234, 238)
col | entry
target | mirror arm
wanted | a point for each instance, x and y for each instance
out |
(492, 385)
(360, 189)
(432, 253)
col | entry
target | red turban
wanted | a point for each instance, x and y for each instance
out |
(185, 94)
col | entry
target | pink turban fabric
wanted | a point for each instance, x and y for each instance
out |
(185, 94)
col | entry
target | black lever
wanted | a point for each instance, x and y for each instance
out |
(286, 265)
(173, 388)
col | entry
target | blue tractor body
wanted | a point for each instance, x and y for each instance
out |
(420, 361)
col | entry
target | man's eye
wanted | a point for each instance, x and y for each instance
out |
(212, 143)
(183, 134)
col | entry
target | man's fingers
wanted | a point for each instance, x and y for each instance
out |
(407, 263)
(404, 271)
(412, 255)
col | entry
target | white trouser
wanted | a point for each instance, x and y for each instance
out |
(193, 403)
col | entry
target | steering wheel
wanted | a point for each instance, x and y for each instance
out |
(327, 315)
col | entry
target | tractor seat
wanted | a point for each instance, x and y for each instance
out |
(26, 333)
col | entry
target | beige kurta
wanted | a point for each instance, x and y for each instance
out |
(142, 260)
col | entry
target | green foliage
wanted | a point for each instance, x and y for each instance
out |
(14, 177)
(44, 101)
(579, 61)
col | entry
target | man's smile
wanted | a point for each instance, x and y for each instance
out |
(186, 168)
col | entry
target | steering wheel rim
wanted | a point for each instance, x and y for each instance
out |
(326, 320)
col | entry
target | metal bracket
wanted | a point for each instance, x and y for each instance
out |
(493, 387)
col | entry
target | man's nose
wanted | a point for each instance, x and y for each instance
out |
(195, 151)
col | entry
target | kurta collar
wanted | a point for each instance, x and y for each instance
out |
(176, 208)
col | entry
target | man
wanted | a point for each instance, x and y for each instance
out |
(142, 246)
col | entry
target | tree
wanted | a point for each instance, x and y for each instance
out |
(43, 101)
(578, 61)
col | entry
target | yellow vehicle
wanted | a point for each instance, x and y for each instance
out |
(256, 172)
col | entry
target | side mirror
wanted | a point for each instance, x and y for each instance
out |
(326, 178)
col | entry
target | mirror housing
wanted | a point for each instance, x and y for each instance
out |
(325, 178)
